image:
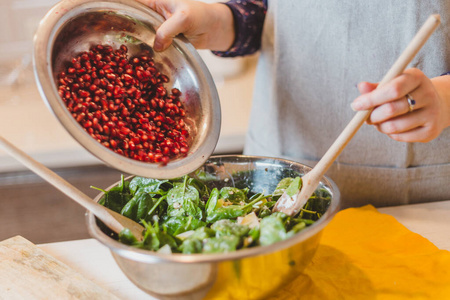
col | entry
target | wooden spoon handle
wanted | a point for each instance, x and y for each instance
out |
(361, 116)
(75, 194)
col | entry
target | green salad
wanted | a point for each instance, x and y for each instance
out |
(187, 215)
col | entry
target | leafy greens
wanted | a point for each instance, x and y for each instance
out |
(188, 216)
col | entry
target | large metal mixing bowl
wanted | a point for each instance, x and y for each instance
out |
(252, 273)
(72, 26)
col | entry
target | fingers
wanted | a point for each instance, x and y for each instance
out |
(391, 113)
(419, 134)
(393, 90)
(412, 127)
(174, 25)
(205, 25)
(397, 108)
(403, 123)
(366, 87)
(175, 13)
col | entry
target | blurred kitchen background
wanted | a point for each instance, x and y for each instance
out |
(31, 207)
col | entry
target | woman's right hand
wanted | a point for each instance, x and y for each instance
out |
(206, 26)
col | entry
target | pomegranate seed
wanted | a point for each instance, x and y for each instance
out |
(83, 93)
(184, 150)
(165, 160)
(119, 99)
(87, 124)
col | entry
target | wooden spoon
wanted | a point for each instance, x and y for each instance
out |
(115, 221)
(292, 205)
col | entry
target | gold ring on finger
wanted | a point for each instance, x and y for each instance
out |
(411, 102)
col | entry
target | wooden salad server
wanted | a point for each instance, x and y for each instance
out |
(114, 221)
(292, 204)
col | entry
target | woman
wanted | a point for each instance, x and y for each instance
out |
(313, 54)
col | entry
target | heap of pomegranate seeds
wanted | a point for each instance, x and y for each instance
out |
(123, 104)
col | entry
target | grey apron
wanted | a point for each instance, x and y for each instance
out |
(313, 55)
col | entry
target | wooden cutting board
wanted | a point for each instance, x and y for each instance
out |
(27, 272)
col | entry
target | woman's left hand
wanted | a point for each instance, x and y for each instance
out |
(395, 117)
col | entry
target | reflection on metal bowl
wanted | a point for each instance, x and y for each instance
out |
(73, 26)
(252, 273)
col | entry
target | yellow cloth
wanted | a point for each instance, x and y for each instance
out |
(364, 254)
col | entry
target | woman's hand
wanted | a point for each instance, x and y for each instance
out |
(392, 114)
(206, 26)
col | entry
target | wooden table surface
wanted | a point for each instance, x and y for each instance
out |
(94, 261)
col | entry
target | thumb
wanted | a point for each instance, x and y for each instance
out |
(169, 28)
(174, 25)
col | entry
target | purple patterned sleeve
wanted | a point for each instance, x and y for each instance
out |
(249, 18)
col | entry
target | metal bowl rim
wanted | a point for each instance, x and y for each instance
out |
(147, 256)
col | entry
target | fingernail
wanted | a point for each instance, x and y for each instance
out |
(355, 106)
(158, 46)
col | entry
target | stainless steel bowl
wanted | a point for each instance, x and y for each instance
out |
(252, 273)
(72, 26)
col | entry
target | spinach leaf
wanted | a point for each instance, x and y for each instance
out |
(192, 208)
(294, 187)
(201, 188)
(266, 209)
(252, 238)
(234, 195)
(227, 227)
(127, 237)
(202, 233)
(138, 207)
(191, 246)
(129, 210)
(272, 229)
(145, 203)
(154, 238)
(149, 184)
(114, 199)
(184, 200)
(221, 244)
(117, 197)
(159, 208)
(281, 187)
(194, 243)
(232, 211)
(180, 224)
(226, 212)
(122, 187)
(211, 205)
